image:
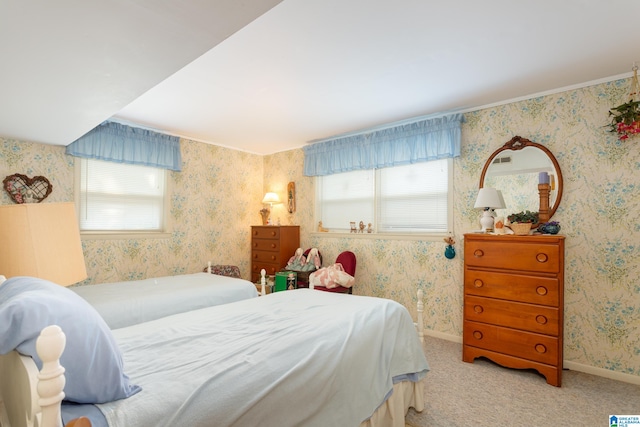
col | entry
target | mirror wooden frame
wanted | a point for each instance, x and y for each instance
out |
(518, 143)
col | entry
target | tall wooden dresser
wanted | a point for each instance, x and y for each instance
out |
(271, 247)
(514, 301)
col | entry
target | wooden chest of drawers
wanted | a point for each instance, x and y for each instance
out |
(271, 248)
(513, 302)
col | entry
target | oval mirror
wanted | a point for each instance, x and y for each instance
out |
(515, 168)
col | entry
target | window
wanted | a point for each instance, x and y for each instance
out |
(118, 197)
(415, 198)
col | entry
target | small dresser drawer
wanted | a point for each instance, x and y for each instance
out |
(264, 256)
(526, 317)
(511, 286)
(530, 256)
(266, 232)
(265, 245)
(526, 345)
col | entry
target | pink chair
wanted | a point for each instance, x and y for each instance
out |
(348, 261)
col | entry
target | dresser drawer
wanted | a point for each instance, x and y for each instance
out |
(527, 345)
(265, 245)
(514, 287)
(526, 317)
(265, 257)
(535, 256)
(267, 232)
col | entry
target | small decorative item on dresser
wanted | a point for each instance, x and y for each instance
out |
(551, 227)
(264, 213)
(522, 222)
(521, 228)
(498, 225)
(23, 189)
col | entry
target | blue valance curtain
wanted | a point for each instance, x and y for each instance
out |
(414, 142)
(120, 143)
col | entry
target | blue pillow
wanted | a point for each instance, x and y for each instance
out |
(92, 360)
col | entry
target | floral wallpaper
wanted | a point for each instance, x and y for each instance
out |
(598, 213)
(213, 201)
(216, 198)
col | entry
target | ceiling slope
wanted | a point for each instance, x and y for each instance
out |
(68, 65)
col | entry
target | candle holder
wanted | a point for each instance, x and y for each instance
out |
(543, 212)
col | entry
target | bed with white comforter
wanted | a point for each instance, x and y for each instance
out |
(294, 358)
(128, 303)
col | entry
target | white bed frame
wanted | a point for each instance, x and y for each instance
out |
(31, 398)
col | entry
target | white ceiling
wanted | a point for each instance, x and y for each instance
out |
(304, 70)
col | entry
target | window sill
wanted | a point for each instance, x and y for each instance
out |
(434, 237)
(123, 235)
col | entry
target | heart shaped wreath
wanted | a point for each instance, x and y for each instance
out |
(23, 189)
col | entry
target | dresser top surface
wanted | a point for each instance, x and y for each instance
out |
(514, 238)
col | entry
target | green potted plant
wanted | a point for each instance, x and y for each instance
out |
(522, 222)
(625, 118)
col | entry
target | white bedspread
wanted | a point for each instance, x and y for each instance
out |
(294, 358)
(128, 303)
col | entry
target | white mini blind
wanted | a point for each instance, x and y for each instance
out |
(346, 197)
(121, 197)
(401, 199)
(414, 198)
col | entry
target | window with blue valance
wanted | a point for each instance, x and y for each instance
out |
(403, 144)
(120, 143)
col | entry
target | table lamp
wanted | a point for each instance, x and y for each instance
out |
(488, 199)
(270, 199)
(41, 240)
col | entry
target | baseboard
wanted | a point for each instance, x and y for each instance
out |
(567, 364)
(443, 336)
(606, 373)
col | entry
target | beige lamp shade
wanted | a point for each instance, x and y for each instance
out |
(489, 198)
(41, 240)
(271, 198)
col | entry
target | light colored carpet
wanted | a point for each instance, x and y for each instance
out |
(479, 394)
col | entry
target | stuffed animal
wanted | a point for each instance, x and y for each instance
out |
(313, 260)
(297, 261)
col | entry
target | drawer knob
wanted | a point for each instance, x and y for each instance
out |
(478, 309)
(477, 335)
(542, 257)
(478, 253)
(541, 290)
(273, 246)
(478, 283)
(541, 319)
(273, 258)
(540, 348)
(273, 234)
